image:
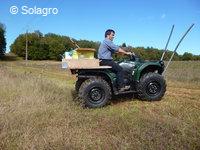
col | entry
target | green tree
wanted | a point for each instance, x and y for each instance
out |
(2, 39)
(88, 44)
(196, 57)
(37, 49)
(123, 44)
(18, 46)
(40, 47)
(187, 56)
(57, 45)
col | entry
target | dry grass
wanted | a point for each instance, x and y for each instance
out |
(185, 72)
(38, 110)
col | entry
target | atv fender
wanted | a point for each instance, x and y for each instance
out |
(148, 67)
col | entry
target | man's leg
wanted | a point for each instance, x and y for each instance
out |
(117, 69)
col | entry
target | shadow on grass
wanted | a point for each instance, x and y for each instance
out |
(9, 58)
(74, 95)
(76, 99)
(116, 99)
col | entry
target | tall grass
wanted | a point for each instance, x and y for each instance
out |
(184, 71)
(39, 110)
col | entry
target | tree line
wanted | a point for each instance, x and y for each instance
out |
(51, 46)
(2, 40)
(46, 47)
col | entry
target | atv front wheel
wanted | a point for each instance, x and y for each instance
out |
(95, 92)
(152, 87)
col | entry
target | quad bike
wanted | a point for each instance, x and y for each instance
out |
(146, 80)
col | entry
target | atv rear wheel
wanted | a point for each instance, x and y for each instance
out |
(78, 84)
(95, 92)
(152, 87)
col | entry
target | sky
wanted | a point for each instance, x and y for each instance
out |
(144, 23)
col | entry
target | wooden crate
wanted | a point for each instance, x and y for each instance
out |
(81, 63)
(86, 53)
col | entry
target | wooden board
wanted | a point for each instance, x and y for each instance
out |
(83, 64)
(85, 49)
(99, 67)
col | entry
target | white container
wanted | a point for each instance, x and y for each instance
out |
(67, 55)
(64, 64)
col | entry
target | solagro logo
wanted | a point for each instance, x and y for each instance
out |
(25, 10)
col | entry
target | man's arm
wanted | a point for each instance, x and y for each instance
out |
(124, 52)
(114, 48)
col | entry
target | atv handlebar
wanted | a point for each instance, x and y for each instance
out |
(133, 56)
(131, 53)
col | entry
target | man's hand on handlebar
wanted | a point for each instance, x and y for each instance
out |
(125, 52)
(130, 53)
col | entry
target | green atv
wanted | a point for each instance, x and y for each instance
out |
(96, 86)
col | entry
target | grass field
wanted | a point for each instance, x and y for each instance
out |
(39, 110)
